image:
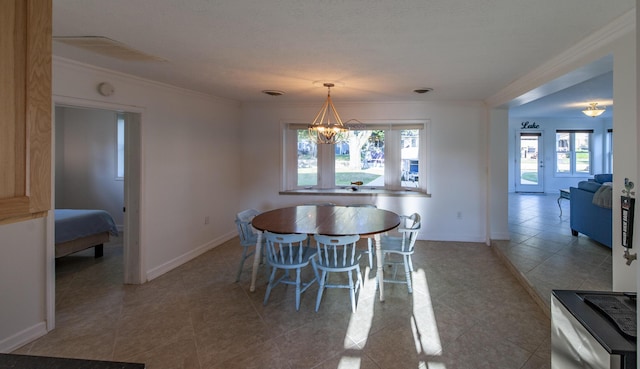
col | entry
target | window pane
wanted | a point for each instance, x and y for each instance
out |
(307, 160)
(563, 154)
(563, 162)
(120, 148)
(409, 139)
(361, 159)
(583, 155)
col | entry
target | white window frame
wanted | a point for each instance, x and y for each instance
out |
(572, 152)
(326, 157)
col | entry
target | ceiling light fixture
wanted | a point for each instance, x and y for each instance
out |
(327, 127)
(592, 110)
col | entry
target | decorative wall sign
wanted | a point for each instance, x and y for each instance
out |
(627, 207)
(529, 125)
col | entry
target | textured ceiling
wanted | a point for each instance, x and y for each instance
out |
(376, 50)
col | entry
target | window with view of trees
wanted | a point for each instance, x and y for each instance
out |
(573, 152)
(376, 156)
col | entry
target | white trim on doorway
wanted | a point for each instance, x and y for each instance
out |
(134, 261)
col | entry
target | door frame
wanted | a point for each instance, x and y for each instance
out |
(133, 247)
(539, 187)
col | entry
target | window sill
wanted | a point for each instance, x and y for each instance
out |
(359, 192)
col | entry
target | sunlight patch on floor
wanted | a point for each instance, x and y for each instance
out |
(349, 362)
(424, 325)
(360, 322)
(431, 365)
(423, 321)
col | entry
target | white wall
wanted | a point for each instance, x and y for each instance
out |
(85, 170)
(498, 170)
(457, 158)
(190, 164)
(190, 169)
(22, 282)
(548, 126)
(625, 157)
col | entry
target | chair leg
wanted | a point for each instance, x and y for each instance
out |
(370, 245)
(244, 257)
(321, 282)
(352, 292)
(407, 270)
(270, 285)
(298, 292)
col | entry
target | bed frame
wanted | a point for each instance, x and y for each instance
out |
(96, 241)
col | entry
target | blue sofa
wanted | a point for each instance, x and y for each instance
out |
(589, 219)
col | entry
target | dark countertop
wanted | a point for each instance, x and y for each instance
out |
(600, 327)
(10, 361)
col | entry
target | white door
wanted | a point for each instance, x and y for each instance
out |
(529, 162)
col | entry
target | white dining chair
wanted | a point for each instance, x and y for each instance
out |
(288, 252)
(248, 236)
(401, 246)
(337, 254)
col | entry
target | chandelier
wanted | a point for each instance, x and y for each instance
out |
(327, 127)
(592, 110)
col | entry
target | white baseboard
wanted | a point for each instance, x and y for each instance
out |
(500, 236)
(22, 338)
(172, 264)
(458, 237)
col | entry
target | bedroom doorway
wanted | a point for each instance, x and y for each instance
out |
(128, 206)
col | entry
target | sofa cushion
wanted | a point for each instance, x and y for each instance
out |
(590, 186)
(602, 178)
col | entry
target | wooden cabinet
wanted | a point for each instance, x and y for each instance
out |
(25, 109)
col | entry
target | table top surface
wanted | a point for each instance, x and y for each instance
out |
(329, 220)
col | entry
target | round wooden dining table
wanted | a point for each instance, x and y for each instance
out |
(329, 220)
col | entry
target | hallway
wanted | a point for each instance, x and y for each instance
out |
(544, 253)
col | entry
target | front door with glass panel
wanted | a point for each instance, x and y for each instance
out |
(529, 162)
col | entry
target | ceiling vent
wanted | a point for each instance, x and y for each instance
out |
(108, 47)
(273, 92)
(423, 90)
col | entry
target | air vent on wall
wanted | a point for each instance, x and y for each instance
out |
(108, 47)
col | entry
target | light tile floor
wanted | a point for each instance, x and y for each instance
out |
(545, 255)
(467, 311)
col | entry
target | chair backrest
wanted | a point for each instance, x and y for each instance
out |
(409, 228)
(337, 251)
(245, 231)
(285, 249)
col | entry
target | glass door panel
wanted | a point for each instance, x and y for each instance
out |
(529, 164)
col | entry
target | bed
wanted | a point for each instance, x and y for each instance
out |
(79, 229)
